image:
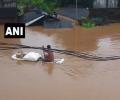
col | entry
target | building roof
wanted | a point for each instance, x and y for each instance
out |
(74, 13)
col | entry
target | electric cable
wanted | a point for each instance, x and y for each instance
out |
(82, 55)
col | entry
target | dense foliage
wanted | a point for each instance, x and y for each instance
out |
(46, 5)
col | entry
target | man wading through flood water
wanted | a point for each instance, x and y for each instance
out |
(48, 54)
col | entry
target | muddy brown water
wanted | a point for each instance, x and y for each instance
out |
(75, 79)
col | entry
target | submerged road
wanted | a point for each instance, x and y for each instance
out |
(75, 79)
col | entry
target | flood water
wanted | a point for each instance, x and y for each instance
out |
(76, 78)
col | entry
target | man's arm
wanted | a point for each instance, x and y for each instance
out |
(43, 50)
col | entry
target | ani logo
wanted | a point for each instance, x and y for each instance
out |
(14, 30)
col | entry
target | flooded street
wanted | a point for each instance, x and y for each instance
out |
(76, 78)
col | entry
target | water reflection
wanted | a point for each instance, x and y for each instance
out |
(49, 67)
(76, 78)
(77, 68)
(108, 47)
(6, 40)
(104, 43)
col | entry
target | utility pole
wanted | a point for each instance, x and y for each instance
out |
(118, 3)
(107, 5)
(76, 9)
(1, 3)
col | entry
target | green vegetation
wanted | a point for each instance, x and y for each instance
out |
(50, 5)
(46, 5)
(87, 23)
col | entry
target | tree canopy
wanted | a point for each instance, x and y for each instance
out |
(46, 5)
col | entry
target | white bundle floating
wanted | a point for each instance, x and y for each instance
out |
(33, 56)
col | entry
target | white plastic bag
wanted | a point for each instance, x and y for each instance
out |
(32, 56)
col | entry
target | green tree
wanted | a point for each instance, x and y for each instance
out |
(46, 5)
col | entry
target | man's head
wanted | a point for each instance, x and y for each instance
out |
(48, 46)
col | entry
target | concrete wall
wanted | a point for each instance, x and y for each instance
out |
(106, 3)
(8, 11)
(109, 13)
(7, 3)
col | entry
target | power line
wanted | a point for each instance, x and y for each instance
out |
(67, 52)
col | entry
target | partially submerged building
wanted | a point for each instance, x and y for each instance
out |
(105, 10)
(99, 10)
(8, 11)
(38, 17)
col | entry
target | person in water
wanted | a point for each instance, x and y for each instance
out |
(48, 54)
(20, 54)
